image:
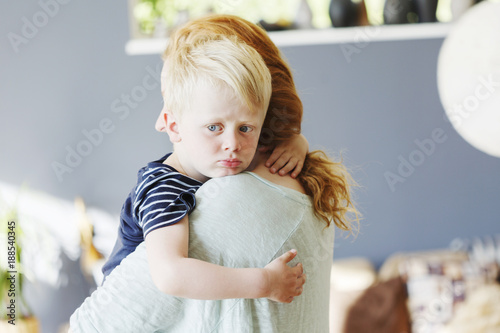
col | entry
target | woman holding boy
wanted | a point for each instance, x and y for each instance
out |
(248, 220)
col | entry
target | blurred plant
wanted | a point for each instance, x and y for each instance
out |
(158, 16)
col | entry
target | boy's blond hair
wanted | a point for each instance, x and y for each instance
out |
(217, 61)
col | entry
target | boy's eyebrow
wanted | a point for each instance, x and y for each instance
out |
(241, 122)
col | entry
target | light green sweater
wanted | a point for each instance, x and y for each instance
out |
(239, 221)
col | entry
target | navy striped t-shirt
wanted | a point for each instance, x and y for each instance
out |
(162, 197)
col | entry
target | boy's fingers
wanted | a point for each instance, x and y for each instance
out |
(302, 281)
(298, 168)
(289, 166)
(299, 268)
(283, 160)
(274, 158)
(288, 256)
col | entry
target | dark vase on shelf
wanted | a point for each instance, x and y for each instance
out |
(426, 10)
(343, 13)
(400, 12)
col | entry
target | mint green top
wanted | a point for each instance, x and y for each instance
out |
(239, 221)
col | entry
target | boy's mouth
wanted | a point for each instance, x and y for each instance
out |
(230, 163)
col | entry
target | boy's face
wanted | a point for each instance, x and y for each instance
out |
(217, 136)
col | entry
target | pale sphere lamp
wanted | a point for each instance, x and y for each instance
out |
(469, 76)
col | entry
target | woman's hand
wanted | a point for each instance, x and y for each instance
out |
(284, 282)
(288, 156)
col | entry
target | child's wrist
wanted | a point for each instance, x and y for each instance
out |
(264, 283)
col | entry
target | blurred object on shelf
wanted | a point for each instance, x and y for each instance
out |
(363, 14)
(400, 12)
(277, 26)
(426, 10)
(91, 259)
(348, 13)
(155, 19)
(343, 13)
(303, 18)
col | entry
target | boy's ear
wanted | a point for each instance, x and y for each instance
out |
(161, 122)
(171, 127)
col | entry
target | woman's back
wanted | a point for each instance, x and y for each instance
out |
(240, 221)
(267, 220)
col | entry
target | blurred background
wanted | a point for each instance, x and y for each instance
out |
(78, 112)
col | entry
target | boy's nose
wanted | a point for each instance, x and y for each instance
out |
(232, 142)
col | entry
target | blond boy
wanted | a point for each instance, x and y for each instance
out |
(216, 94)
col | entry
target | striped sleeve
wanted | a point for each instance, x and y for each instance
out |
(163, 197)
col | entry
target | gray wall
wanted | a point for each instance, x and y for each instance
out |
(72, 75)
(376, 108)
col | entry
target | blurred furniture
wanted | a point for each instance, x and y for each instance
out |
(440, 291)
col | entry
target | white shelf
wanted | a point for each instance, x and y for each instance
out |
(322, 36)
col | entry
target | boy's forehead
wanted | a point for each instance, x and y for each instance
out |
(213, 101)
(203, 88)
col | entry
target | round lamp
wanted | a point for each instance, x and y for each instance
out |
(468, 76)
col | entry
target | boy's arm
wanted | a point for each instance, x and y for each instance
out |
(175, 274)
(289, 156)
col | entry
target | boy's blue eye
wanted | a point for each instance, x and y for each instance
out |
(213, 128)
(245, 129)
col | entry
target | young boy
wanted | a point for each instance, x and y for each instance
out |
(218, 94)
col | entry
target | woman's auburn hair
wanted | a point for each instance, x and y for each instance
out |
(330, 184)
(327, 182)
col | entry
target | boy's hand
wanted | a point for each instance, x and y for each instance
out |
(288, 156)
(284, 282)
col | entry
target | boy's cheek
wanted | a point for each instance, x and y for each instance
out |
(253, 143)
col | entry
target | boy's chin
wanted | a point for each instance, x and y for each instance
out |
(229, 172)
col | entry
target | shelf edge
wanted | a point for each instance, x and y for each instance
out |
(289, 38)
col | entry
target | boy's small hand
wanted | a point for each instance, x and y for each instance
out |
(289, 156)
(285, 282)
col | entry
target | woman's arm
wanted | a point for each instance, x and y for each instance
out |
(174, 273)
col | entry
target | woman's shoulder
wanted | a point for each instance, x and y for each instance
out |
(254, 184)
(285, 181)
